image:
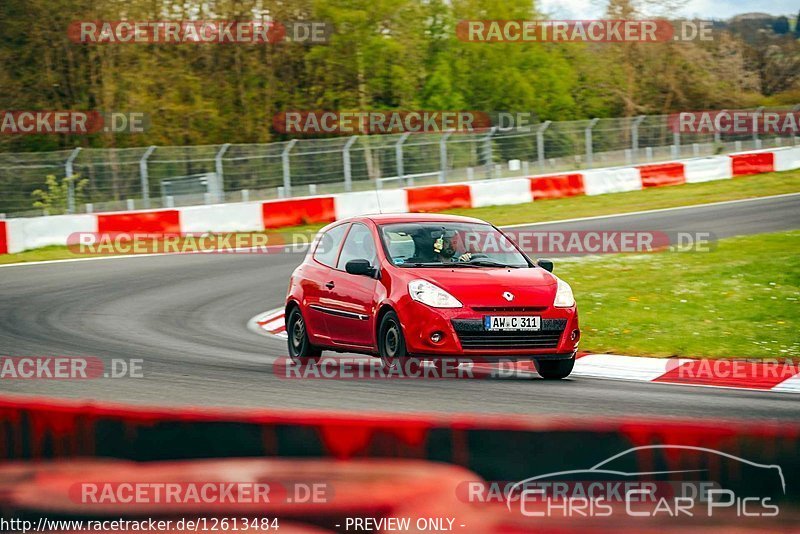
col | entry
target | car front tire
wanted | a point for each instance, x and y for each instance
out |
(554, 369)
(392, 345)
(300, 348)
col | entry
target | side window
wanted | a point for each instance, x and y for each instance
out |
(400, 245)
(328, 246)
(359, 245)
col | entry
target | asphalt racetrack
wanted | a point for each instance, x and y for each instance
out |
(185, 316)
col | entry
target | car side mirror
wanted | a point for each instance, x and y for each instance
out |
(362, 267)
(547, 265)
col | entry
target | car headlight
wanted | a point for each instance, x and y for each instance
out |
(564, 297)
(434, 296)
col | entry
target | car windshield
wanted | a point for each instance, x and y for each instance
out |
(451, 244)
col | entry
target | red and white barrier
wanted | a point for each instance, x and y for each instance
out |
(34, 232)
(149, 222)
(21, 234)
(500, 192)
(662, 174)
(297, 211)
(557, 185)
(366, 202)
(239, 217)
(787, 159)
(752, 163)
(708, 169)
(603, 181)
(438, 197)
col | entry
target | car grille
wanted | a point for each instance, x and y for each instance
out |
(509, 308)
(473, 336)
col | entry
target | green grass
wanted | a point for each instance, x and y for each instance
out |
(740, 300)
(759, 185)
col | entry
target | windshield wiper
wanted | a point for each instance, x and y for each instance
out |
(490, 263)
(438, 264)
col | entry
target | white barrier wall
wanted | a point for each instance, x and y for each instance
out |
(707, 169)
(620, 180)
(366, 202)
(238, 217)
(500, 192)
(34, 232)
(787, 159)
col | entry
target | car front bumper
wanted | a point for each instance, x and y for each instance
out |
(463, 335)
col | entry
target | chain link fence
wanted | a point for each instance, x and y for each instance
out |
(166, 176)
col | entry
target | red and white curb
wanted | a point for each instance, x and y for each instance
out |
(719, 373)
(270, 323)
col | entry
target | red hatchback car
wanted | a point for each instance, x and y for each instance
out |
(430, 287)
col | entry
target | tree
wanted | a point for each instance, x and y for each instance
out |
(54, 199)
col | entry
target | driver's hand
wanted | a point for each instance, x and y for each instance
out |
(465, 257)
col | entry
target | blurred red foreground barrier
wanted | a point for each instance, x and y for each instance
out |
(495, 447)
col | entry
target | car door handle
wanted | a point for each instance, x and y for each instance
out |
(330, 285)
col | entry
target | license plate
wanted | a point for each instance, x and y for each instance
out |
(512, 322)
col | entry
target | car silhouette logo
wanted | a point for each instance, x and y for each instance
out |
(508, 296)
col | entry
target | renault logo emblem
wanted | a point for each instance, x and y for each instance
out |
(508, 296)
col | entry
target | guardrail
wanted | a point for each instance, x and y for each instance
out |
(130, 178)
(25, 233)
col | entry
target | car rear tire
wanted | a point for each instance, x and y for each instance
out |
(554, 369)
(392, 345)
(300, 348)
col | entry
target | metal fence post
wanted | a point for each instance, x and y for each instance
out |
(398, 155)
(676, 144)
(348, 177)
(144, 177)
(70, 182)
(717, 136)
(488, 153)
(443, 157)
(587, 134)
(756, 113)
(219, 189)
(635, 136)
(287, 174)
(540, 142)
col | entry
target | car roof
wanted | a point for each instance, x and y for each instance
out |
(387, 218)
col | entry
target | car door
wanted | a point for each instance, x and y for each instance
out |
(351, 300)
(317, 278)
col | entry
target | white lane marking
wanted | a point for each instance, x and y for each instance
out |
(645, 212)
(602, 366)
(300, 247)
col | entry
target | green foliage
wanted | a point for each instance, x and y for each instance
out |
(54, 198)
(383, 54)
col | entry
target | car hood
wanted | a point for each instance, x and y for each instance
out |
(487, 286)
